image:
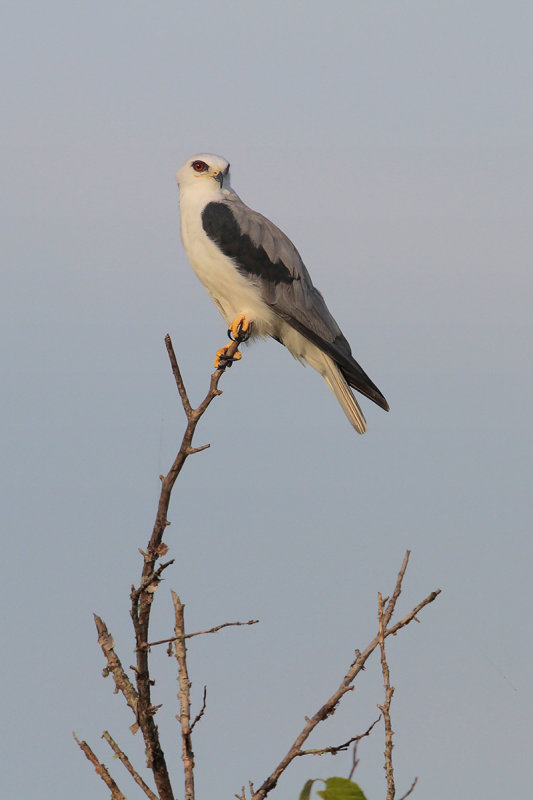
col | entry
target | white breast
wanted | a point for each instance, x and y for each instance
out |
(232, 293)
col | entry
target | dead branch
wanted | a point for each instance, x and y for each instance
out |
(139, 698)
(385, 708)
(397, 589)
(355, 760)
(201, 633)
(242, 795)
(127, 763)
(409, 790)
(346, 685)
(200, 714)
(142, 598)
(101, 770)
(412, 614)
(184, 698)
(339, 748)
(122, 682)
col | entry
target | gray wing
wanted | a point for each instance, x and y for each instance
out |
(263, 253)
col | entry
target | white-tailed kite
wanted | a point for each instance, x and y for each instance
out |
(259, 283)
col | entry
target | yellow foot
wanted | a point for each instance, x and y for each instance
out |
(221, 358)
(240, 328)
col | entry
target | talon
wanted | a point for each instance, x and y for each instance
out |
(240, 329)
(223, 360)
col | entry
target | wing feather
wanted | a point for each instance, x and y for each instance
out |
(262, 252)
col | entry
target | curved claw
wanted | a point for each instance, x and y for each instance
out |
(240, 329)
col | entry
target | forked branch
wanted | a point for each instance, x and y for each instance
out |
(138, 697)
(142, 598)
(346, 684)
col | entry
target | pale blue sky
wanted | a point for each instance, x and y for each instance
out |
(392, 142)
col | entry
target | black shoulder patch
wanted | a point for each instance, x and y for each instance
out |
(222, 228)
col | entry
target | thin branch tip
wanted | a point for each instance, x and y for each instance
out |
(192, 450)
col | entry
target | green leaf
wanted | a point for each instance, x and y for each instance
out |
(341, 789)
(305, 794)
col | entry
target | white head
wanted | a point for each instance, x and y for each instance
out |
(205, 172)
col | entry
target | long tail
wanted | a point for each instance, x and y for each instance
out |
(337, 383)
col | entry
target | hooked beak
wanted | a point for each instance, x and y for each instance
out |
(219, 177)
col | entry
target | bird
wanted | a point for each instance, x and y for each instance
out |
(259, 283)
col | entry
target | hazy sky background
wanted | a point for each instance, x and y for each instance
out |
(393, 143)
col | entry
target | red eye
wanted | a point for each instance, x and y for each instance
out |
(199, 166)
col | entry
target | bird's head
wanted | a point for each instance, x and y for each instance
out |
(205, 172)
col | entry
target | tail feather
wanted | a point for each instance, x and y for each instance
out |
(338, 385)
(306, 350)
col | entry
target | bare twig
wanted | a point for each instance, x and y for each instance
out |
(184, 697)
(389, 611)
(242, 795)
(409, 790)
(201, 633)
(385, 708)
(356, 740)
(200, 714)
(125, 760)
(339, 748)
(412, 614)
(150, 582)
(101, 770)
(346, 685)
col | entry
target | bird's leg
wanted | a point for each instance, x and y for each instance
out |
(239, 331)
